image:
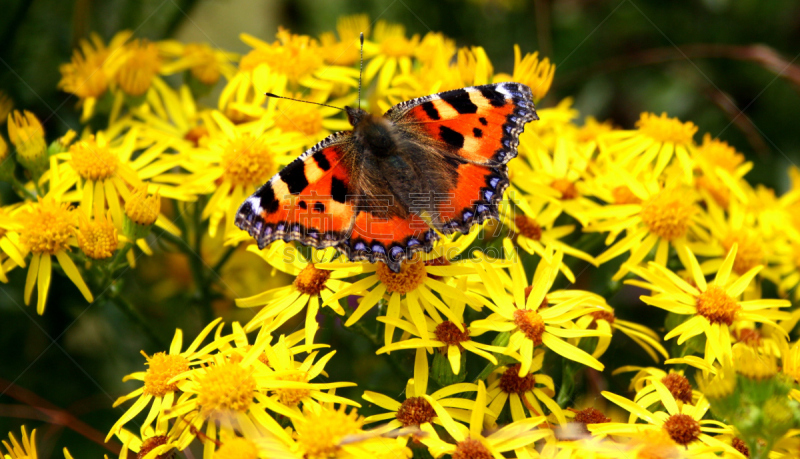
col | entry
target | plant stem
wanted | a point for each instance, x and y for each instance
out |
(223, 259)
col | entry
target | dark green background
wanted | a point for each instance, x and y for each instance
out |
(615, 58)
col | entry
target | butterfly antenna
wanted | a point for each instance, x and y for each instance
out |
(361, 70)
(269, 94)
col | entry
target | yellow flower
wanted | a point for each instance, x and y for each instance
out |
(522, 392)
(97, 238)
(48, 229)
(417, 410)
(236, 160)
(649, 382)
(141, 212)
(651, 215)
(449, 335)
(411, 290)
(473, 444)
(657, 139)
(345, 51)
(312, 121)
(529, 70)
(158, 387)
(14, 252)
(139, 63)
(27, 134)
(88, 75)
(683, 424)
(24, 450)
(526, 312)
(203, 62)
(713, 307)
(311, 286)
(391, 49)
(605, 321)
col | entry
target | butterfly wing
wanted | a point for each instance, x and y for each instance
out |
(477, 130)
(307, 201)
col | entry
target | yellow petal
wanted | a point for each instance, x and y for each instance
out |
(74, 275)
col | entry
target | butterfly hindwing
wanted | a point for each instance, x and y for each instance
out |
(390, 239)
(478, 130)
(307, 201)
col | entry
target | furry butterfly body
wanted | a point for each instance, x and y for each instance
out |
(386, 189)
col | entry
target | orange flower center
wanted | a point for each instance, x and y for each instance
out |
(311, 281)
(588, 416)
(678, 386)
(717, 306)
(623, 195)
(566, 188)
(293, 396)
(471, 449)
(152, 443)
(530, 323)
(47, 227)
(412, 274)
(682, 428)
(195, 134)
(528, 227)
(511, 383)
(226, 387)
(298, 117)
(448, 333)
(668, 214)
(415, 411)
(750, 252)
(92, 161)
(247, 161)
(162, 367)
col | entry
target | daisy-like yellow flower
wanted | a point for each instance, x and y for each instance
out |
(534, 229)
(88, 75)
(154, 442)
(605, 320)
(684, 424)
(449, 335)
(526, 312)
(48, 229)
(713, 307)
(651, 216)
(236, 160)
(416, 410)
(313, 122)
(390, 49)
(12, 250)
(412, 289)
(204, 63)
(657, 139)
(473, 444)
(649, 382)
(523, 393)
(27, 135)
(136, 65)
(97, 238)
(529, 70)
(157, 389)
(173, 117)
(345, 50)
(312, 286)
(24, 450)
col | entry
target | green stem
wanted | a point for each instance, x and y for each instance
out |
(223, 259)
(567, 389)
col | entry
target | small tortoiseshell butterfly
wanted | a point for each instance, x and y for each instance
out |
(382, 191)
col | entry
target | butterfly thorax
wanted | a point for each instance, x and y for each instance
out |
(373, 134)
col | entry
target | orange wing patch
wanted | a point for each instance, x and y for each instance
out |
(390, 240)
(308, 201)
(476, 197)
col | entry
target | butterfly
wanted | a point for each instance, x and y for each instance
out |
(387, 189)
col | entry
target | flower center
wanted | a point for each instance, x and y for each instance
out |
(152, 443)
(566, 187)
(623, 195)
(311, 281)
(749, 336)
(668, 214)
(412, 274)
(246, 161)
(682, 428)
(717, 306)
(750, 252)
(196, 134)
(678, 386)
(205, 67)
(140, 67)
(141, 208)
(97, 238)
(237, 448)
(739, 445)
(47, 227)
(664, 129)
(608, 316)
(321, 434)
(720, 154)
(298, 117)
(415, 411)
(471, 449)
(92, 161)
(162, 367)
(528, 227)
(226, 387)
(531, 324)
(448, 333)
(511, 383)
(588, 416)
(292, 397)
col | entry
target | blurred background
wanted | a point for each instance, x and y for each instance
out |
(730, 66)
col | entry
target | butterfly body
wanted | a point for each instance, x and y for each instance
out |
(384, 190)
